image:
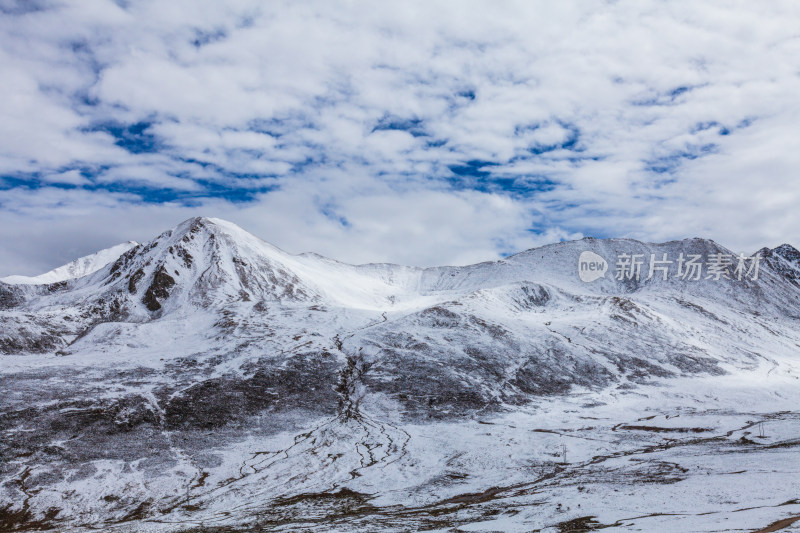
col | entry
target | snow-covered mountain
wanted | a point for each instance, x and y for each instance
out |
(75, 269)
(210, 378)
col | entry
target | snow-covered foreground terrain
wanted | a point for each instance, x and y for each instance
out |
(207, 381)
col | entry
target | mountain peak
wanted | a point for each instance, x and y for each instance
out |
(788, 252)
(218, 227)
(201, 261)
(195, 224)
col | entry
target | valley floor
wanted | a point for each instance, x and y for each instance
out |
(701, 454)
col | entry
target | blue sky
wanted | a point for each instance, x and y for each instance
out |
(419, 132)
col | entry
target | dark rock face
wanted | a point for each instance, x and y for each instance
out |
(785, 260)
(423, 388)
(10, 296)
(306, 382)
(123, 261)
(158, 289)
(532, 296)
(89, 429)
(134, 280)
(539, 378)
(34, 343)
(214, 403)
(788, 252)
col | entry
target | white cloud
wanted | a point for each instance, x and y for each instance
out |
(644, 119)
(70, 177)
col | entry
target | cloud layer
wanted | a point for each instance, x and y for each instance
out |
(420, 132)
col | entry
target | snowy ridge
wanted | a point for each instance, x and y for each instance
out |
(75, 269)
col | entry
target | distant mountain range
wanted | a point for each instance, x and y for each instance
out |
(206, 378)
(75, 269)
